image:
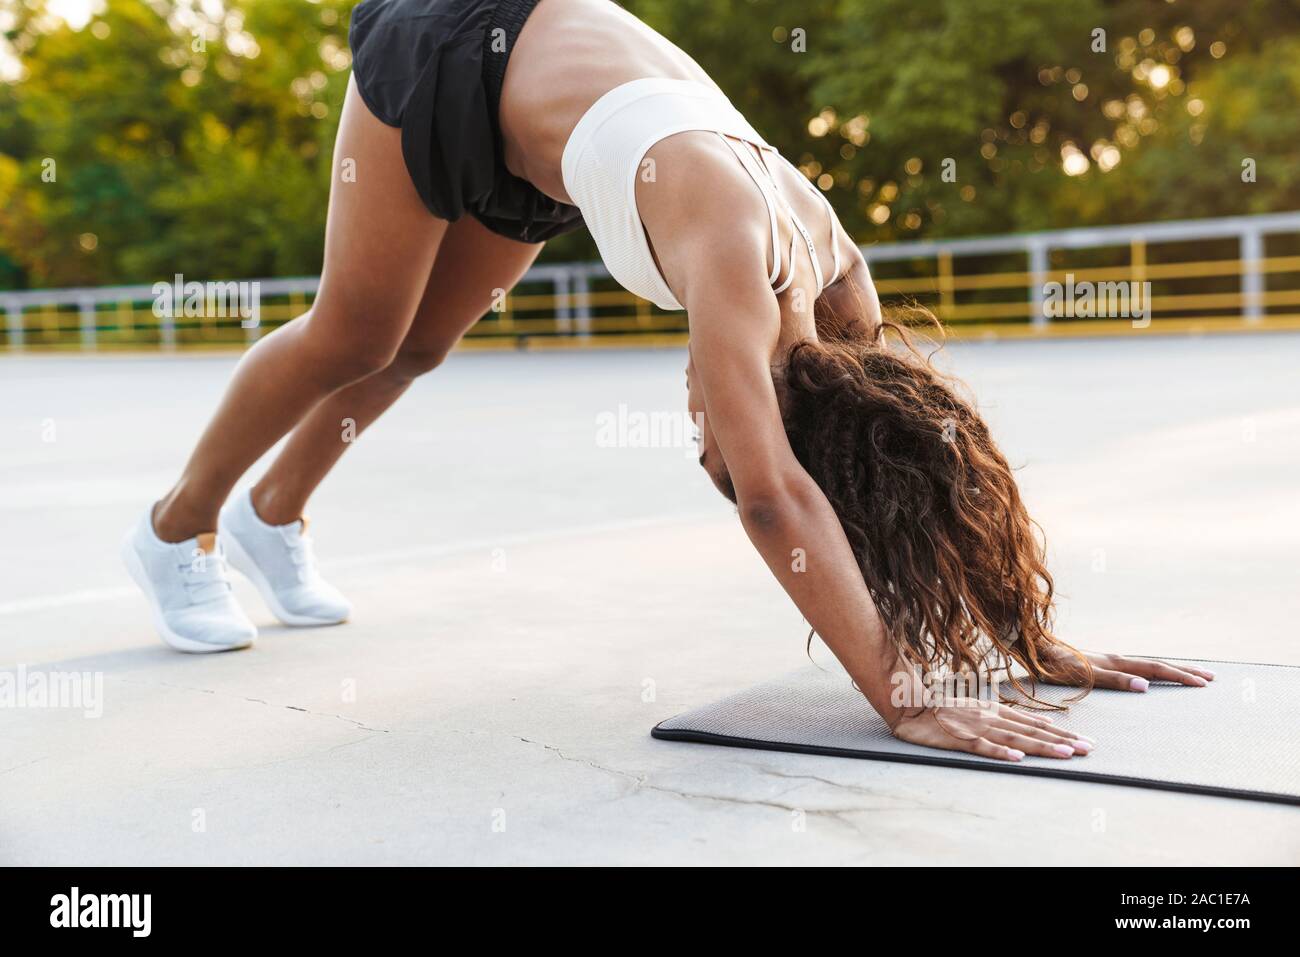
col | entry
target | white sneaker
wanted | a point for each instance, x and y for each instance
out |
(278, 559)
(188, 589)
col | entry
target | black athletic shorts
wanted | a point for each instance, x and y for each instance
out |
(434, 68)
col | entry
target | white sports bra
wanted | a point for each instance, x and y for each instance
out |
(603, 157)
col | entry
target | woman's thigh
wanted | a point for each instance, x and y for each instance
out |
(473, 271)
(380, 240)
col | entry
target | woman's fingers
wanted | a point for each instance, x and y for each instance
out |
(1136, 675)
(1030, 744)
(1051, 735)
(987, 749)
(1025, 720)
(1009, 746)
(991, 730)
(1119, 680)
(1152, 669)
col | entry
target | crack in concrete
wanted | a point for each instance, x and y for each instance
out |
(19, 767)
(772, 773)
(277, 762)
(635, 782)
(238, 697)
(908, 805)
(638, 782)
(840, 815)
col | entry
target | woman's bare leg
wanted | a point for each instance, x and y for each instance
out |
(380, 244)
(471, 265)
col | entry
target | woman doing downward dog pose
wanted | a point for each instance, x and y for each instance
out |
(478, 129)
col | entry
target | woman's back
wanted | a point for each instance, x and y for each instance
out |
(570, 53)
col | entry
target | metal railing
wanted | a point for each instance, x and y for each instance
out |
(980, 286)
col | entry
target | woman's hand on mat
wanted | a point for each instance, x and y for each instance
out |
(1125, 674)
(989, 729)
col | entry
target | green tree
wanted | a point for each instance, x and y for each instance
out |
(183, 142)
(177, 142)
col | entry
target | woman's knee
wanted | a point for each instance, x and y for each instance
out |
(342, 353)
(415, 360)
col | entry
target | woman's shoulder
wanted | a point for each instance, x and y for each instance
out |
(700, 208)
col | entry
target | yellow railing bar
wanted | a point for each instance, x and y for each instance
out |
(946, 277)
(1163, 303)
(1178, 270)
(573, 300)
(1072, 329)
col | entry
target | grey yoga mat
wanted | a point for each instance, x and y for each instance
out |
(1237, 737)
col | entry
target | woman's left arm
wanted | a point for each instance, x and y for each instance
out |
(735, 325)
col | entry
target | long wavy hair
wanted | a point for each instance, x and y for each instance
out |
(927, 500)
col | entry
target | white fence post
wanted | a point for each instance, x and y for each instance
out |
(167, 330)
(582, 291)
(1038, 279)
(1252, 279)
(86, 309)
(564, 312)
(14, 323)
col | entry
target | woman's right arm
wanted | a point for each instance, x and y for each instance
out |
(735, 326)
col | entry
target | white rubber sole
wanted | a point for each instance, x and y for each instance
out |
(240, 560)
(135, 568)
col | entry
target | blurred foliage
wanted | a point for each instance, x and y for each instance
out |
(887, 90)
(194, 136)
(180, 142)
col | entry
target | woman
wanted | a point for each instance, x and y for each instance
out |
(473, 131)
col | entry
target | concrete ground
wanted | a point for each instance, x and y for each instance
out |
(529, 603)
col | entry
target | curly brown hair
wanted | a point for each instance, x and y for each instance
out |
(927, 500)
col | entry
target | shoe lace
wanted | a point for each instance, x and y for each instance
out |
(303, 555)
(205, 576)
